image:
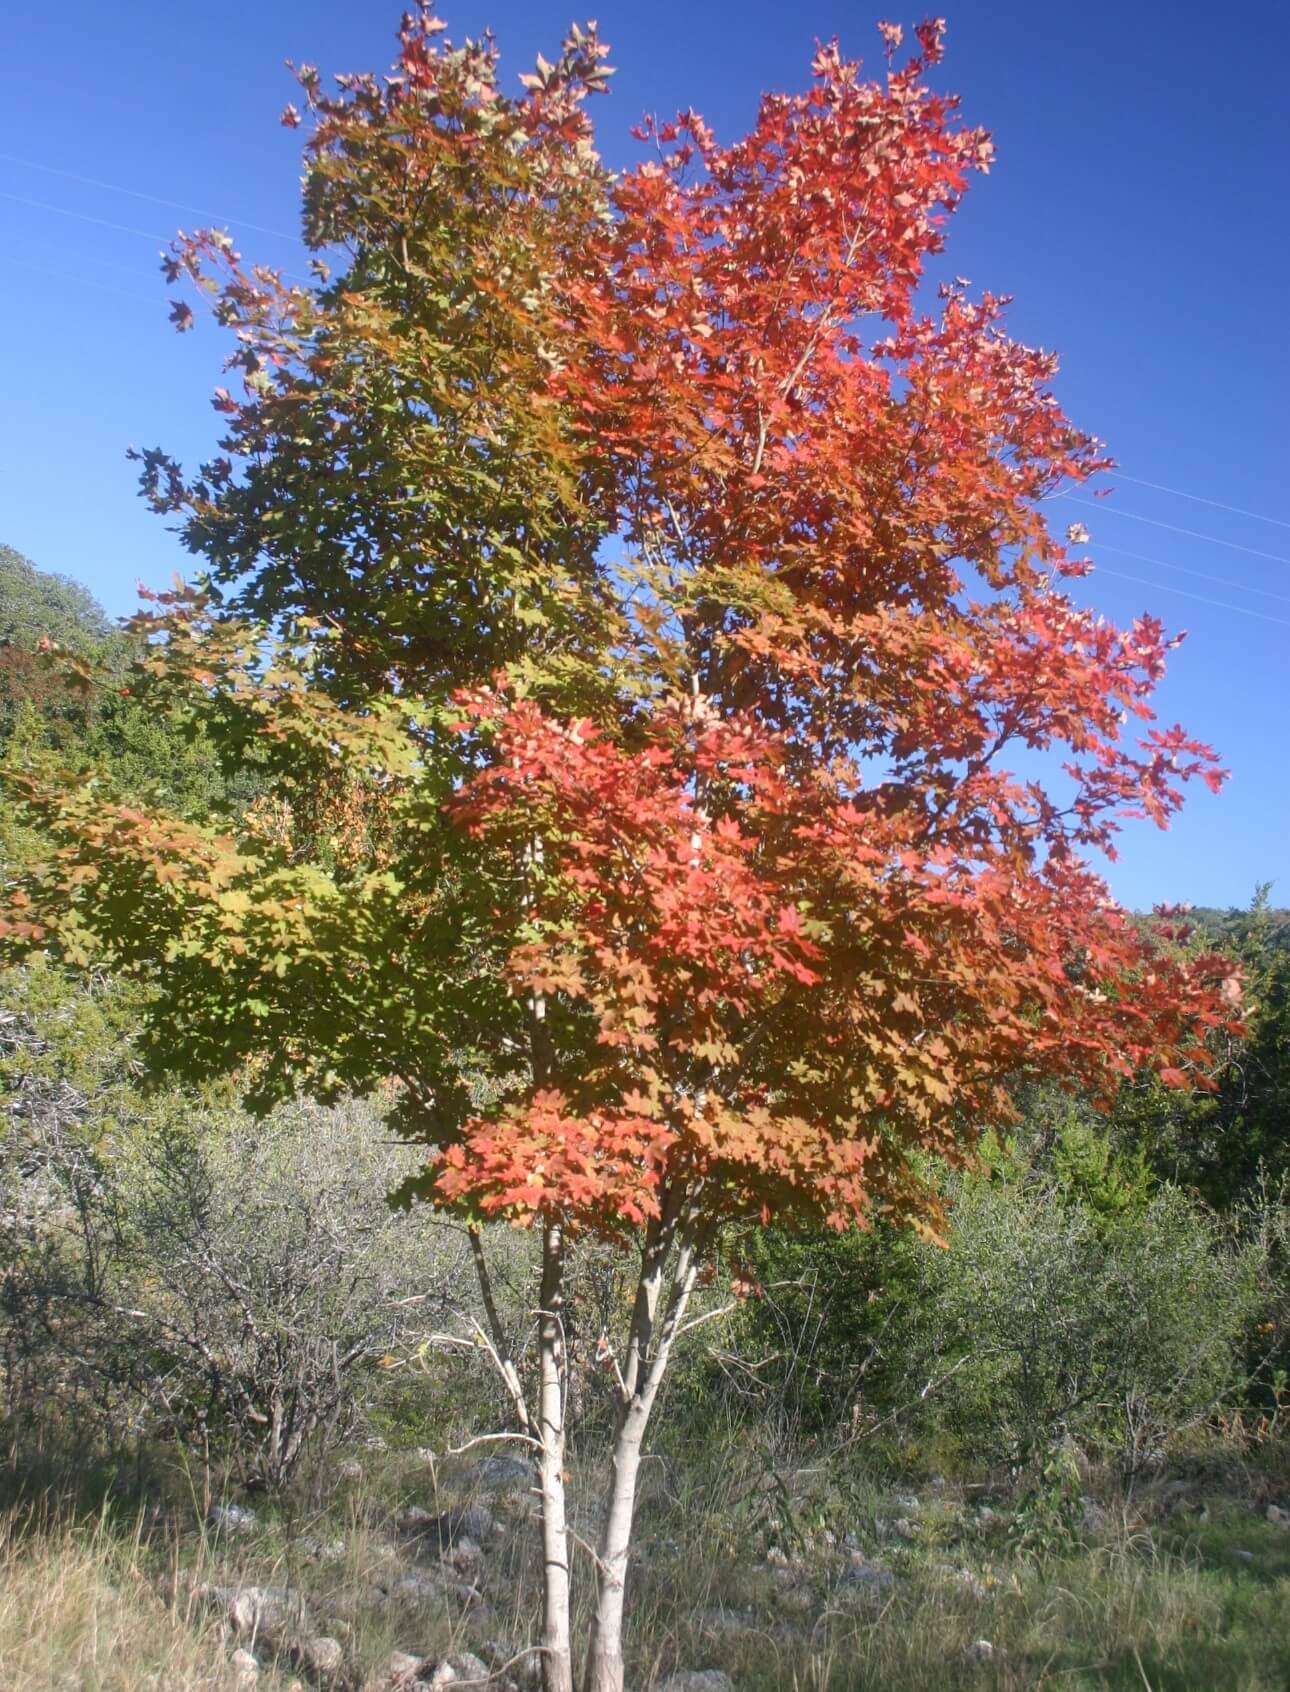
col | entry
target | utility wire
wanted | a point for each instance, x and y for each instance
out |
(1204, 599)
(279, 234)
(123, 228)
(138, 194)
(150, 300)
(84, 217)
(1200, 499)
(1204, 575)
(1136, 517)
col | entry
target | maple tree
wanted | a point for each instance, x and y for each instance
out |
(636, 595)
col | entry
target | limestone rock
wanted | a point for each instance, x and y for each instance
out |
(502, 1474)
(231, 1518)
(400, 1674)
(462, 1667)
(322, 1655)
(1092, 1516)
(268, 1613)
(465, 1556)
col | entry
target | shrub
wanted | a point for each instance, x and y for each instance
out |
(180, 1270)
(1045, 1318)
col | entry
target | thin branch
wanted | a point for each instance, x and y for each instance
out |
(708, 1316)
(494, 1439)
(499, 1348)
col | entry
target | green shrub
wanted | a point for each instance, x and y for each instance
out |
(1045, 1318)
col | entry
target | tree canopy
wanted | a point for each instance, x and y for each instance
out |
(638, 596)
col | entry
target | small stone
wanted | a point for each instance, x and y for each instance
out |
(901, 1528)
(267, 1613)
(906, 1503)
(464, 1556)
(322, 1655)
(698, 1680)
(1240, 1555)
(401, 1672)
(980, 1651)
(461, 1666)
(231, 1518)
(244, 1667)
(418, 1586)
(1092, 1516)
(965, 1577)
(1279, 1517)
(500, 1474)
(472, 1523)
(864, 1577)
(725, 1623)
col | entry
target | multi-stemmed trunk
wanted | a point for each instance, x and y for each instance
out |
(650, 1345)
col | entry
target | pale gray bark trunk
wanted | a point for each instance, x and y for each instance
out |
(557, 1657)
(642, 1380)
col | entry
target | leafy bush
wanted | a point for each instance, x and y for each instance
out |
(179, 1270)
(1072, 1300)
(1044, 1319)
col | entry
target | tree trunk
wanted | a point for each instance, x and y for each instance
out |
(557, 1656)
(641, 1384)
(605, 1659)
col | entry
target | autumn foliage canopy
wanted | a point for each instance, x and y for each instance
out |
(638, 598)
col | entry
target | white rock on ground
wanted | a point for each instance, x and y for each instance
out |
(231, 1518)
(400, 1674)
(264, 1612)
(461, 1666)
(698, 1680)
(322, 1655)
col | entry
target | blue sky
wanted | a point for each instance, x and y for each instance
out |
(1136, 213)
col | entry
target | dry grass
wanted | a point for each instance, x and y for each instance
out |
(1168, 1602)
(81, 1610)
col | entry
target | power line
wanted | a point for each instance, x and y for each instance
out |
(123, 228)
(97, 287)
(1200, 499)
(1136, 517)
(154, 199)
(1204, 599)
(1164, 564)
(84, 217)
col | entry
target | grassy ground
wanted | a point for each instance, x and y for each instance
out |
(87, 1607)
(799, 1580)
